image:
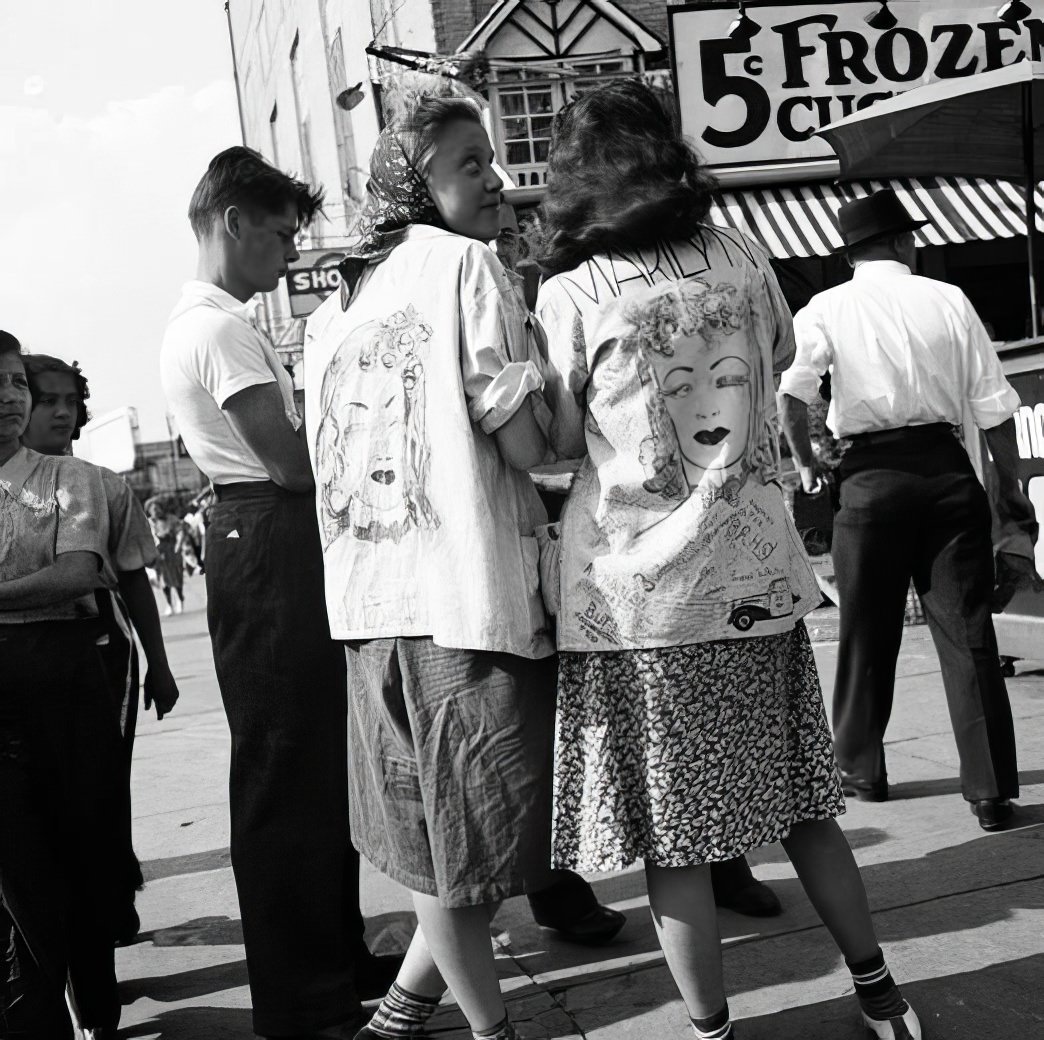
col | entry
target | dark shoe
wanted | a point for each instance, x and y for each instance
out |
(595, 928)
(753, 900)
(993, 813)
(864, 790)
(374, 975)
(737, 889)
(570, 907)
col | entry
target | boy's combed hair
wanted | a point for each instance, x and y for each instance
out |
(242, 177)
(37, 364)
(620, 176)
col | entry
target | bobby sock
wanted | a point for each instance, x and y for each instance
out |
(503, 1031)
(402, 1014)
(878, 994)
(717, 1027)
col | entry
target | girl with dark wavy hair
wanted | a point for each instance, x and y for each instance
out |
(691, 727)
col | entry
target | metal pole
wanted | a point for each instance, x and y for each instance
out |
(235, 74)
(1031, 202)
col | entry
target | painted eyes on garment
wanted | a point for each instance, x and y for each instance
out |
(720, 383)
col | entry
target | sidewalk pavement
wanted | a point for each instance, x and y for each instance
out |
(960, 913)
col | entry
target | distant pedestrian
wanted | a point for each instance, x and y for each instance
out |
(126, 605)
(909, 362)
(691, 726)
(168, 532)
(282, 677)
(60, 851)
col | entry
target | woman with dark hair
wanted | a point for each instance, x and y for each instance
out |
(424, 402)
(126, 604)
(691, 727)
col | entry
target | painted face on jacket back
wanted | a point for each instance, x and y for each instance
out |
(266, 246)
(53, 419)
(462, 181)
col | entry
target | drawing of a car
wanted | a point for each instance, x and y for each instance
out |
(777, 602)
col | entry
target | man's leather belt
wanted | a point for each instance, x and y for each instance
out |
(903, 434)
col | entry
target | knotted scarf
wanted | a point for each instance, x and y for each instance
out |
(396, 197)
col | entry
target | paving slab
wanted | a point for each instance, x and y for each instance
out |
(961, 913)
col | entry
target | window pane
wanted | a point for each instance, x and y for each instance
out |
(540, 101)
(541, 126)
(518, 153)
(515, 129)
(540, 150)
(513, 104)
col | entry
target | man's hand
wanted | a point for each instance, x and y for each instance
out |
(1014, 573)
(160, 690)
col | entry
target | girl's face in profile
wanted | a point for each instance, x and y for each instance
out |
(462, 182)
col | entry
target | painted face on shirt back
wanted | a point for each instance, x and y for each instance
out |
(463, 183)
(15, 402)
(706, 389)
(53, 418)
(266, 246)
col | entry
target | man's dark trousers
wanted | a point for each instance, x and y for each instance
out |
(911, 506)
(283, 684)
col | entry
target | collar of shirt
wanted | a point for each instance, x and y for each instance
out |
(16, 471)
(207, 292)
(880, 268)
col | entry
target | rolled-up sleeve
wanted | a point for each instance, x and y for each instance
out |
(813, 357)
(990, 397)
(498, 357)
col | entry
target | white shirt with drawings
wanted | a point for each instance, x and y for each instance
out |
(662, 366)
(426, 530)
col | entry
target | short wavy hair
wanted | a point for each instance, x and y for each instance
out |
(37, 364)
(620, 176)
(241, 177)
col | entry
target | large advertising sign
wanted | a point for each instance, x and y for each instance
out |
(756, 97)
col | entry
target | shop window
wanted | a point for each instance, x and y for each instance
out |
(525, 103)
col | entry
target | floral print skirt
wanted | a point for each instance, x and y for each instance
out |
(690, 754)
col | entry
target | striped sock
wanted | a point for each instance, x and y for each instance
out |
(717, 1027)
(402, 1014)
(504, 1031)
(878, 994)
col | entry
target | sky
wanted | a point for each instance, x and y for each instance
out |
(110, 111)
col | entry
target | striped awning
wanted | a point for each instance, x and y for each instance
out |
(801, 220)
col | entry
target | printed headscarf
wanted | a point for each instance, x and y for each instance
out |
(396, 197)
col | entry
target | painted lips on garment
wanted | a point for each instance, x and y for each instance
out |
(383, 476)
(711, 437)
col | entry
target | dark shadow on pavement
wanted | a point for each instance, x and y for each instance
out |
(950, 785)
(185, 985)
(193, 863)
(202, 931)
(1003, 1000)
(204, 1023)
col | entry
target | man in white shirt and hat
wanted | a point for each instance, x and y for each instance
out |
(910, 362)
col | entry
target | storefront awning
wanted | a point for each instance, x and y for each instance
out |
(800, 220)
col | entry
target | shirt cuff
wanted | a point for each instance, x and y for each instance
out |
(504, 395)
(995, 409)
(801, 383)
